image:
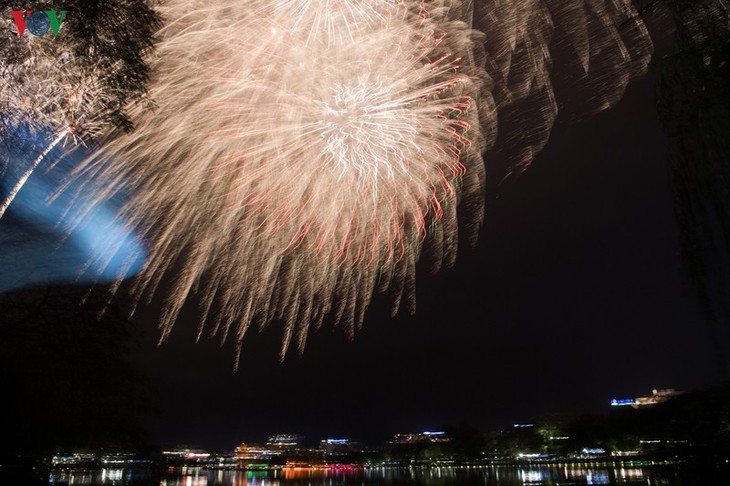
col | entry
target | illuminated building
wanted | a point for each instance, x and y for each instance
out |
(657, 396)
(423, 437)
(255, 453)
(279, 449)
(186, 456)
(285, 441)
(76, 459)
(339, 446)
(622, 402)
(94, 460)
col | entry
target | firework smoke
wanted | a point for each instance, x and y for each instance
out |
(304, 155)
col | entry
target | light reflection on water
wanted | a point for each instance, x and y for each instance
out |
(509, 476)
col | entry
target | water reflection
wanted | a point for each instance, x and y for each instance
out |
(529, 476)
(597, 477)
(100, 476)
(610, 474)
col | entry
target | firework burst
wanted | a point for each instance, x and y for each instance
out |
(287, 176)
(303, 156)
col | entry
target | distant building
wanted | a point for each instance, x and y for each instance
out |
(75, 459)
(255, 452)
(85, 459)
(180, 456)
(279, 449)
(622, 402)
(285, 441)
(423, 437)
(338, 447)
(657, 396)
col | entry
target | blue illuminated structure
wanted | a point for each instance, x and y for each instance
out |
(52, 232)
(622, 402)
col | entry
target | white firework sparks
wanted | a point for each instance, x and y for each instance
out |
(289, 179)
(302, 155)
(333, 22)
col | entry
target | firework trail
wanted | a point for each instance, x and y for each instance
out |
(303, 155)
(594, 48)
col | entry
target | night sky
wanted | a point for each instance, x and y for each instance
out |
(575, 294)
